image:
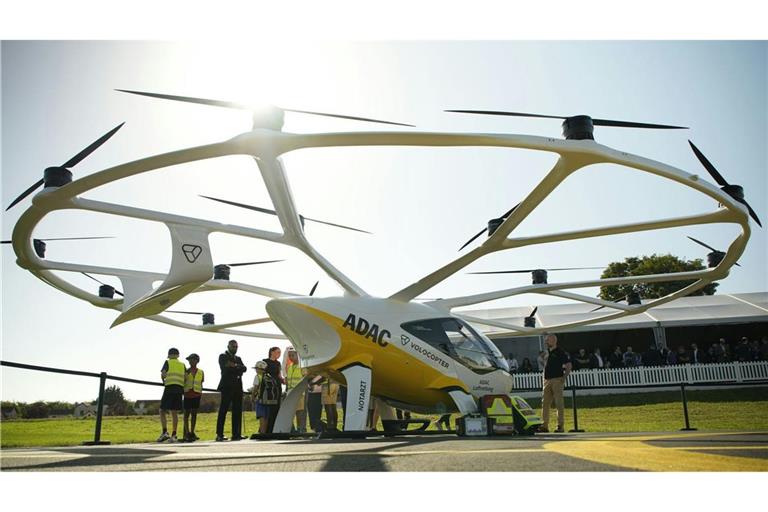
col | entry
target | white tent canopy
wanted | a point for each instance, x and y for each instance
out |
(716, 309)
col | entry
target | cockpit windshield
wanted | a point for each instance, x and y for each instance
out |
(456, 338)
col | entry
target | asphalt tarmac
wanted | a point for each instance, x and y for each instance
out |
(671, 451)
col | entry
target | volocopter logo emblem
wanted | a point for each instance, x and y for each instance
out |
(191, 252)
(404, 339)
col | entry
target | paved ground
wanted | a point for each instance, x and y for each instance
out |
(674, 451)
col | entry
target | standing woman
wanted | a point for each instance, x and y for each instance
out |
(272, 385)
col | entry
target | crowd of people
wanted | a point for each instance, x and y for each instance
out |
(719, 352)
(183, 389)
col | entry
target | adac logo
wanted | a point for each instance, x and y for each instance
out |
(191, 252)
(404, 339)
(364, 328)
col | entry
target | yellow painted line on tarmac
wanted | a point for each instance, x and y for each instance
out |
(636, 453)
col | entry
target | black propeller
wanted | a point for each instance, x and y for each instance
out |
(575, 127)
(273, 212)
(71, 238)
(530, 320)
(64, 168)
(251, 263)
(715, 256)
(184, 312)
(495, 222)
(312, 291)
(735, 191)
(601, 307)
(529, 270)
(254, 108)
(104, 284)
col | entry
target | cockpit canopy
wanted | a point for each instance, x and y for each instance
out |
(455, 338)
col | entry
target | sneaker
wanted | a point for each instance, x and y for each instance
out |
(173, 439)
(221, 438)
(189, 438)
(237, 438)
(163, 437)
(195, 436)
(560, 430)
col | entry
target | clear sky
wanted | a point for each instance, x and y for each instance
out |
(420, 203)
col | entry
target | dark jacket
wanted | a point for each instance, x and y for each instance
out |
(231, 375)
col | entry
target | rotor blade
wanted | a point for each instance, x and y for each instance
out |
(77, 238)
(703, 244)
(26, 193)
(105, 284)
(241, 205)
(533, 313)
(752, 213)
(337, 225)
(601, 307)
(708, 165)
(184, 312)
(273, 212)
(473, 239)
(251, 263)
(509, 212)
(90, 149)
(630, 124)
(312, 291)
(500, 113)
(526, 271)
(346, 117)
(6, 241)
(189, 99)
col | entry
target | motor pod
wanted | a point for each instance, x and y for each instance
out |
(56, 177)
(714, 258)
(539, 276)
(221, 272)
(208, 319)
(578, 128)
(106, 291)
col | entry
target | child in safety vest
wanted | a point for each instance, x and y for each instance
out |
(172, 374)
(193, 392)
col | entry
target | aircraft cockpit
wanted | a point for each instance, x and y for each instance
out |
(457, 339)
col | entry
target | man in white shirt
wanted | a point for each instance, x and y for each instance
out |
(512, 362)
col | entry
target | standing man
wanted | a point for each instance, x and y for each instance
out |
(231, 388)
(557, 369)
(172, 374)
(193, 392)
(293, 376)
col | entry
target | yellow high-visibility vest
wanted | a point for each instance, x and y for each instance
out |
(293, 376)
(194, 382)
(175, 375)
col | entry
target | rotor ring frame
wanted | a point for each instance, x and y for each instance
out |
(266, 146)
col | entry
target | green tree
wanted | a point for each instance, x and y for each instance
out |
(647, 265)
(36, 410)
(114, 398)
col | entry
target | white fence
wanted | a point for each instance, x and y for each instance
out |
(649, 375)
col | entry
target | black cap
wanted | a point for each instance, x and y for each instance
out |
(193, 356)
(173, 351)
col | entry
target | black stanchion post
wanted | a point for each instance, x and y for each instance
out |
(99, 413)
(575, 412)
(685, 408)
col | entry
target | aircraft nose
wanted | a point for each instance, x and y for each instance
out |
(315, 340)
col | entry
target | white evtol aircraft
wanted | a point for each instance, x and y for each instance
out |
(415, 355)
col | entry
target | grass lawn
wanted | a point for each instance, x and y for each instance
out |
(729, 409)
